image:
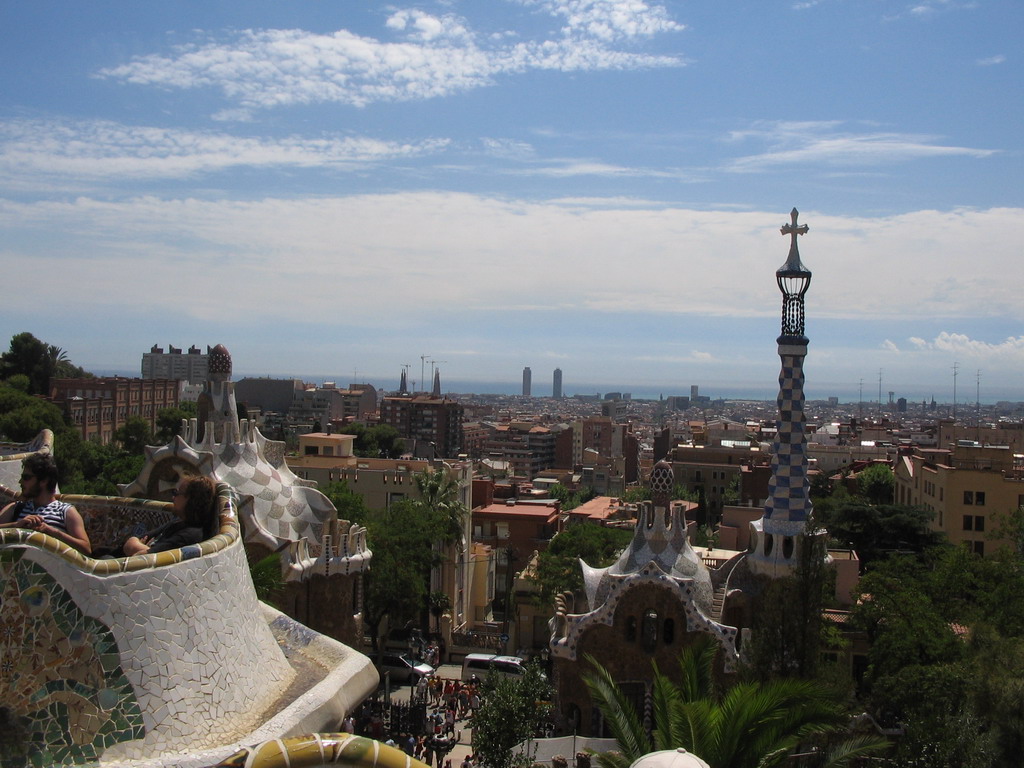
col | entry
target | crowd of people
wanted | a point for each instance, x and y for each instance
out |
(445, 705)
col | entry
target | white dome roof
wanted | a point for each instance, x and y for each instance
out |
(670, 758)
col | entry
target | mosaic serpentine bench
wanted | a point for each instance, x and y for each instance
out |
(321, 749)
(136, 657)
(13, 454)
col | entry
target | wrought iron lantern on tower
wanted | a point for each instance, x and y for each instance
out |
(794, 279)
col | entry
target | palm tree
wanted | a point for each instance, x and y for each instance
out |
(750, 725)
(439, 494)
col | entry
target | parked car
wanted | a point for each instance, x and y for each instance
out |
(403, 669)
(481, 664)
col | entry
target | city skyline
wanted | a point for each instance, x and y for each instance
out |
(584, 184)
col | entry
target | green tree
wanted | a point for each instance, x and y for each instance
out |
(731, 497)
(875, 483)
(266, 577)
(380, 440)
(38, 361)
(558, 567)
(905, 626)
(748, 725)
(350, 505)
(396, 588)
(1010, 526)
(134, 435)
(946, 661)
(569, 500)
(29, 357)
(23, 416)
(876, 530)
(634, 495)
(169, 421)
(514, 709)
(440, 497)
(786, 631)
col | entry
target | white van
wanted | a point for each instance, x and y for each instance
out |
(480, 664)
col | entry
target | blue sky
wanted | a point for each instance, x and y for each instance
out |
(598, 185)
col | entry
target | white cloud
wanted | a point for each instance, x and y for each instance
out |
(233, 116)
(963, 345)
(570, 168)
(927, 8)
(426, 28)
(424, 254)
(695, 356)
(102, 149)
(610, 20)
(991, 60)
(821, 143)
(890, 346)
(439, 56)
(508, 149)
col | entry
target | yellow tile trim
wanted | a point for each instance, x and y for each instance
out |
(321, 749)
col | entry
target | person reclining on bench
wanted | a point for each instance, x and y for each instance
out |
(193, 502)
(39, 508)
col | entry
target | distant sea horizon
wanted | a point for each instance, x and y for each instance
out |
(739, 391)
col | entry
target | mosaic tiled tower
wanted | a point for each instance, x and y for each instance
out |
(778, 537)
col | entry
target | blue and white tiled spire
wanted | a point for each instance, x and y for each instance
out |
(776, 538)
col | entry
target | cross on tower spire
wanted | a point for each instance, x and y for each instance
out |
(793, 230)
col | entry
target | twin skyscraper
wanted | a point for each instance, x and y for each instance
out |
(556, 383)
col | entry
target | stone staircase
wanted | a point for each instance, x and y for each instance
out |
(718, 598)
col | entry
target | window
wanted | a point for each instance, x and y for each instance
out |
(979, 498)
(311, 450)
(979, 548)
(650, 630)
(979, 523)
(969, 497)
(968, 520)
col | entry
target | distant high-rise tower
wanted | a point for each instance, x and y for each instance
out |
(777, 538)
(527, 380)
(436, 391)
(403, 385)
(694, 389)
(556, 384)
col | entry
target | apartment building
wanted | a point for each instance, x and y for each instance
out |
(435, 423)
(99, 407)
(969, 488)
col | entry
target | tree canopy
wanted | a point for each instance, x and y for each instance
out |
(395, 588)
(38, 361)
(514, 708)
(380, 440)
(874, 530)
(946, 658)
(558, 567)
(350, 505)
(875, 484)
